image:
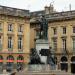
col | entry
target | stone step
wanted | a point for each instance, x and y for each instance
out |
(43, 73)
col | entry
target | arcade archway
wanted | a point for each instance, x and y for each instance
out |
(10, 63)
(1, 63)
(64, 63)
(73, 64)
(20, 62)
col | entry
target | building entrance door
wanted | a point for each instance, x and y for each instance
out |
(1, 63)
(10, 63)
(9, 66)
(64, 64)
(20, 62)
(73, 65)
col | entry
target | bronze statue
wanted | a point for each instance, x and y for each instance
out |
(43, 28)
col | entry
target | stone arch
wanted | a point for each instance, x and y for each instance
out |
(20, 62)
(73, 59)
(64, 63)
(10, 57)
(20, 57)
(64, 59)
(1, 58)
(1, 63)
(10, 63)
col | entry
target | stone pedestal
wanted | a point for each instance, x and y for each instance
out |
(42, 44)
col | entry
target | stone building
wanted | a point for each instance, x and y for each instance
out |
(14, 37)
(18, 35)
(61, 36)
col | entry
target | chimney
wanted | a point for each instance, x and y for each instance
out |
(47, 10)
(51, 8)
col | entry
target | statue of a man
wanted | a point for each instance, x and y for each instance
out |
(43, 28)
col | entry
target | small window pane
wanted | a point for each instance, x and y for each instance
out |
(64, 30)
(20, 28)
(74, 44)
(73, 29)
(10, 27)
(55, 31)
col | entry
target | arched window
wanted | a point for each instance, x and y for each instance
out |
(73, 59)
(10, 58)
(64, 64)
(20, 58)
(64, 59)
(1, 59)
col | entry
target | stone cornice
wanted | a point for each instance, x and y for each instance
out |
(4, 10)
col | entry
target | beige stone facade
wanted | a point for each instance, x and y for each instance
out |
(14, 37)
(61, 36)
(5, 33)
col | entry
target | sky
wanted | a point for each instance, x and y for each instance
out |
(35, 5)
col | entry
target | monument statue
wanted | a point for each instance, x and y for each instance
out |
(43, 28)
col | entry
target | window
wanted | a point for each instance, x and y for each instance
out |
(55, 44)
(20, 42)
(10, 44)
(73, 44)
(73, 29)
(64, 44)
(10, 60)
(64, 30)
(1, 60)
(0, 42)
(37, 34)
(55, 31)
(10, 27)
(0, 26)
(20, 28)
